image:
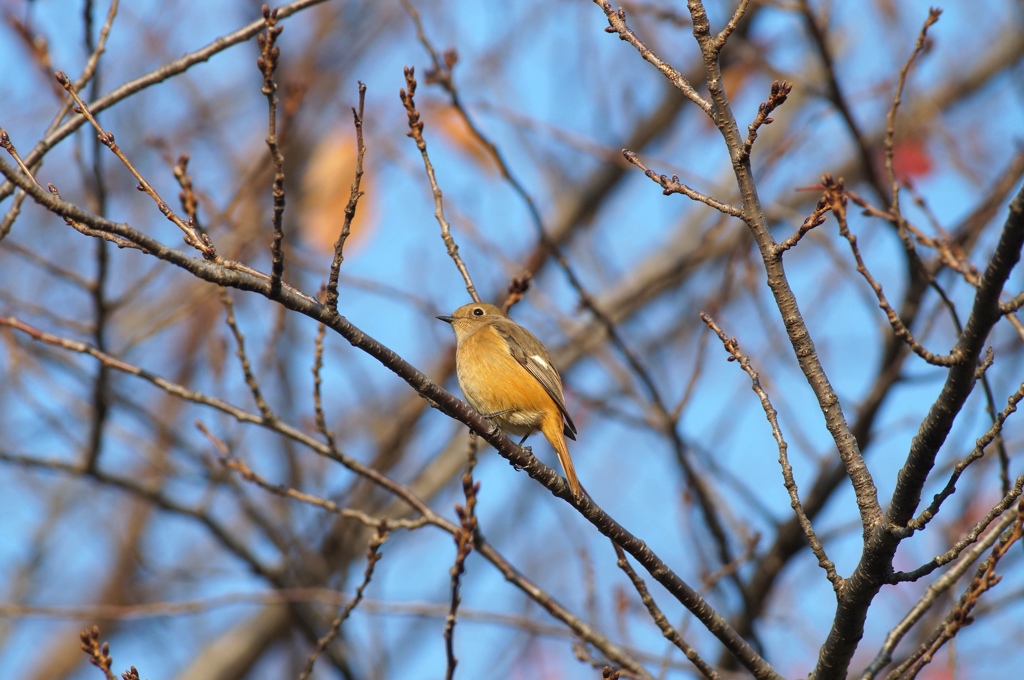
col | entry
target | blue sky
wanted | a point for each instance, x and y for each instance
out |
(558, 95)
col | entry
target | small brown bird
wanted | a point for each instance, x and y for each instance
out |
(508, 376)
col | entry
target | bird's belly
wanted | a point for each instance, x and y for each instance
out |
(500, 389)
(499, 405)
(519, 423)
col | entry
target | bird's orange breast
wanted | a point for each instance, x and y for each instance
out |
(498, 386)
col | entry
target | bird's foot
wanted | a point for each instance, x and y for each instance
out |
(528, 450)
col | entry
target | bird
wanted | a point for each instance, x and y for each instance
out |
(507, 375)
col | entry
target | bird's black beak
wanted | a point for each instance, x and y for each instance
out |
(446, 319)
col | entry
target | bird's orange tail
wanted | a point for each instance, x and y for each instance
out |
(552, 431)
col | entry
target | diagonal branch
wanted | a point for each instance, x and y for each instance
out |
(960, 380)
(875, 566)
(617, 25)
(667, 630)
(243, 278)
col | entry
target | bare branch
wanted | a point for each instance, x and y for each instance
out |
(890, 130)
(998, 510)
(961, 378)
(670, 633)
(835, 192)
(815, 219)
(674, 186)
(777, 97)
(932, 594)
(98, 653)
(617, 25)
(732, 347)
(416, 133)
(465, 536)
(350, 208)
(729, 28)
(980, 447)
(984, 580)
(192, 238)
(267, 63)
(57, 134)
(372, 557)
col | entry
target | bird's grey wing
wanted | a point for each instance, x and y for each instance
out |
(528, 351)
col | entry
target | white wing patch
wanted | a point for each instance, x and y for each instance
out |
(540, 361)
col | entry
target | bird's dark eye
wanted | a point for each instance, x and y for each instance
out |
(477, 311)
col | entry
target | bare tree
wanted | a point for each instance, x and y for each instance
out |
(219, 248)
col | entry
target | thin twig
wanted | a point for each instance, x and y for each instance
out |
(984, 580)
(815, 219)
(15, 209)
(192, 238)
(372, 557)
(98, 653)
(1008, 499)
(59, 131)
(248, 474)
(8, 145)
(267, 63)
(318, 399)
(932, 594)
(980, 447)
(890, 130)
(948, 253)
(710, 581)
(354, 194)
(465, 536)
(836, 195)
(416, 134)
(674, 186)
(96, 51)
(106, 235)
(243, 358)
(729, 28)
(617, 25)
(187, 195)
(732, 347)
(659, 618)
(776, 98)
